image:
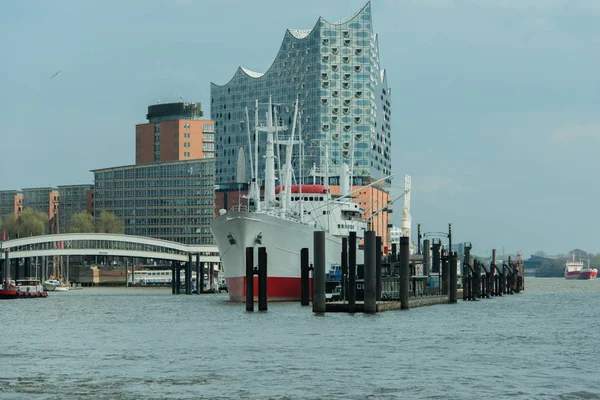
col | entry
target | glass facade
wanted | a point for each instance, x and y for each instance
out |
(167, 200)
(333, 70)
(45, 200)
(7, 202)
(72, 200)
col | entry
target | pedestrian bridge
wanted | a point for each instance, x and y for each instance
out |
(106, 244)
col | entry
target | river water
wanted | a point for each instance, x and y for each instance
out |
(139, 343)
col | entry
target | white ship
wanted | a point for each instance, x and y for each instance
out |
(284, 222)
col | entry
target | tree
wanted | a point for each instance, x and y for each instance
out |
(9, 225)
(30, 222)
(109, 223)
(81, 222)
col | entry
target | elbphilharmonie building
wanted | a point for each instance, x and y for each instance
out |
(344, 101)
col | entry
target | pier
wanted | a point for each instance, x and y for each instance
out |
(384, 282)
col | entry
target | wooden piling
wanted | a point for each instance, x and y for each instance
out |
(262, 279)
(319, 272)
(404, 272)
(249, 278)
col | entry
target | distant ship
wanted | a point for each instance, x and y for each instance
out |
(576, 270)
(572, 268)
(588, 273)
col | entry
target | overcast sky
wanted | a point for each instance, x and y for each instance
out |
(495, 104)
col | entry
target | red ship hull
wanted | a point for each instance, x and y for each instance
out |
(6, 294)
(572, 275)
(278, 288)
(588, 274)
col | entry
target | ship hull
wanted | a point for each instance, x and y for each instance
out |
(283, 240)
(588, 274)
(572, 275)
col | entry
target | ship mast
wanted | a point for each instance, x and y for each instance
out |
(406, 217)
(269, 161)
(288, 163)
(255, 186)
(301, 167)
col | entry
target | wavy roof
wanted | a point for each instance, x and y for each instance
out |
(302, 34)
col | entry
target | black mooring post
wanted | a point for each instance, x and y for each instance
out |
(178, 279)
(378, 268)
(249, 278)
(426, 259)
(465, 280)
(344, 282)
(476, 279)
(262, 279)
(394, 252)
(404, 272)
(503, 280)
(418, 238)
(197, 273)
(211, 277)
(445, 257)
(370, 282)
(449, 258)
(188, 275)
(452, 298)
(466, 272)
(352, 272)
(319, 253)
(435, 256)
(304, 277)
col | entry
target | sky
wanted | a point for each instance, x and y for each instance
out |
(495, 103)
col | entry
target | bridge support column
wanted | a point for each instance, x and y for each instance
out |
(173, 277)
(197, 273)
(178, 286)
(188, 275)
(202, 276)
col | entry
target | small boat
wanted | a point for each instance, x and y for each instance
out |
(52, 285)
(22, 289)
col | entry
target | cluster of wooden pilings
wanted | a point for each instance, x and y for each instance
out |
(176, 280)
(372, 275)
(480, 281)
(477, 280)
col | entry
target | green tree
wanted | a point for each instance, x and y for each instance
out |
(109, 223)
(30, 222)
(81, 222)
(9, 225)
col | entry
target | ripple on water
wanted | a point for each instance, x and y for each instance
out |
(117, 343)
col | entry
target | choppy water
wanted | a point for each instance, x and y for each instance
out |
(118, 343)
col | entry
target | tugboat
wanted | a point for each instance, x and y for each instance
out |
(22, 289)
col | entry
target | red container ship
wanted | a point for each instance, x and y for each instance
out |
(588, 273)
(576, 270)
